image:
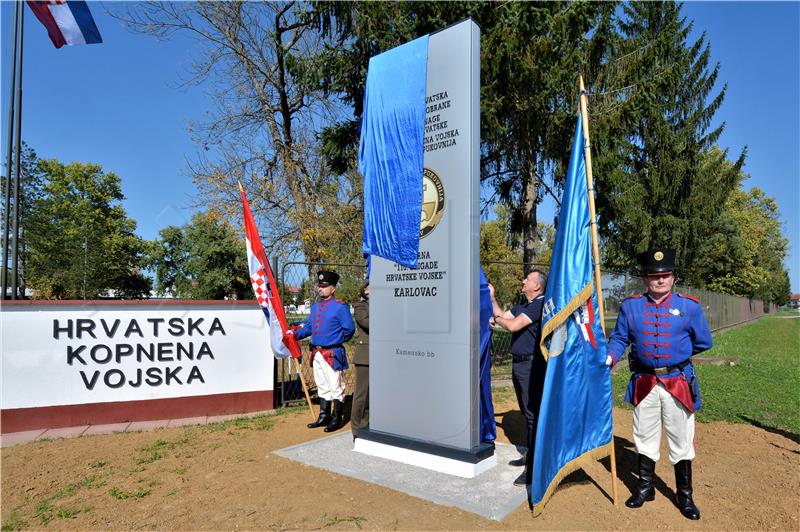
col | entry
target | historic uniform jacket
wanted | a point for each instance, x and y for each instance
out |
(330, 325)
(663, 338)
(361, 314)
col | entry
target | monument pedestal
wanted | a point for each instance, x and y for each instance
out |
(448, 460)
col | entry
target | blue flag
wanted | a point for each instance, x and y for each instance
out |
(574, 425)
(390, 152)
(488, 425)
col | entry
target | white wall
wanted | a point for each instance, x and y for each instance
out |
(94, 353)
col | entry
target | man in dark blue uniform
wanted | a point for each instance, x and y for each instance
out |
(528, 366)
(330, 325)
(664, 331)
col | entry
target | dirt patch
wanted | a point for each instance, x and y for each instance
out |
(224, 476)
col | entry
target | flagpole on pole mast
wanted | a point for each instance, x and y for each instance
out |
(596, 255)
(17, 157)
(9, 159)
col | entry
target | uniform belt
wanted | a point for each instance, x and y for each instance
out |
(665, 370)
(521, 358)
(326, 347)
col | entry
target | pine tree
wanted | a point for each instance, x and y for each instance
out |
(531, 55)
(659, 182)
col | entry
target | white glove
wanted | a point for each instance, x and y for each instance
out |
(608, 360)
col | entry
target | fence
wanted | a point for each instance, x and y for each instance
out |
(298, 292)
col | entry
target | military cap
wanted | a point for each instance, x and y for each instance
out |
(659, 260)
(327, 278)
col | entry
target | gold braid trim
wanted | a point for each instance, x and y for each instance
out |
(589, 456)
(563, 315)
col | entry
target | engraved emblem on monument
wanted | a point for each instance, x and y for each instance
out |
(432, 202)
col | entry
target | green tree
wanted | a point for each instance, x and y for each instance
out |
(782, 289)
(204, 259)
(31, 186)
(502, 258)
(80, 242)
(531, 54)
(758, 249)
(263, 129)
(660, 183)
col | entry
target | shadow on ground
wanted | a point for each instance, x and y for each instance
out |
(785, 433)
(513, 426)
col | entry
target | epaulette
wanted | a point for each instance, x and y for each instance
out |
(635, 296)
(687, 296)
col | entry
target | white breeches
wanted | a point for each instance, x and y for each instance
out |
(330, 385)
(657, 408)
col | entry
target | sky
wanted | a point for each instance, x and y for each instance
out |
(119, 104)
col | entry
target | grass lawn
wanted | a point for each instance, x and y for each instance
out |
(762, 388)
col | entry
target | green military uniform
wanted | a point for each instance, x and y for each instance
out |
(359, 417)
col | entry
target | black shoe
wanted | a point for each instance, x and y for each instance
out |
(324, 414)
(683, 491)
(519, 462)
(644, 490)
(520, 480)
(336, 420)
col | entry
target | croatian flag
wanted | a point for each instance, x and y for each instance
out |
(66, 22)
(266, 291)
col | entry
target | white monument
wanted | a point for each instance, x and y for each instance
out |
(424, 335)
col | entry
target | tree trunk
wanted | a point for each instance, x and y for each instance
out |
(529, 202)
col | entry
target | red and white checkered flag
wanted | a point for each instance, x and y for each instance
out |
(265, 289)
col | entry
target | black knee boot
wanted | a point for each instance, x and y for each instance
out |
(683, 491)
(645, 491)
(336, 419)
(324, 414)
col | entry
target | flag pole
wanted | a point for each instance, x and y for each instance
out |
(9, 160)
(18, 155)
(297, 367)
(592, 215)
(596, 255)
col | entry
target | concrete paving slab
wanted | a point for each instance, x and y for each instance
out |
(17, 438)
(108, 428)
(64, 432)
(491, 494)
(147, 425)
(187, 421)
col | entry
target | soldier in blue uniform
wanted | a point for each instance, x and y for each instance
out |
(664, 331)
(330, 325)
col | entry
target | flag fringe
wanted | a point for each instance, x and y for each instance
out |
(573, 465)
(564, 314)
